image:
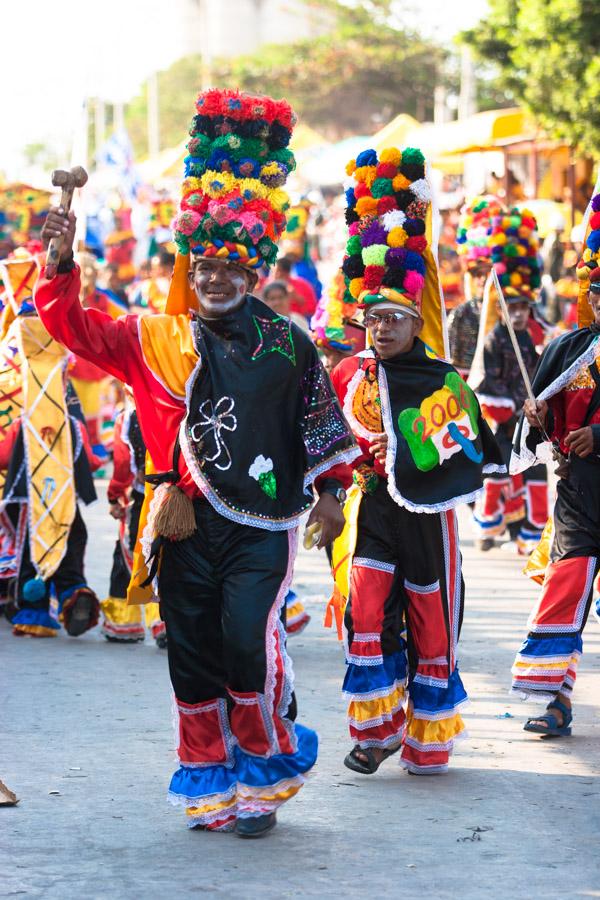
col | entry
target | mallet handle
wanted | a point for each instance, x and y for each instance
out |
(55, 245)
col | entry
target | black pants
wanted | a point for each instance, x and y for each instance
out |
(68, 576)
(222, 594)
(120, 574)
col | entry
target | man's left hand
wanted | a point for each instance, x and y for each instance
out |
(581, 441)
(329, 513)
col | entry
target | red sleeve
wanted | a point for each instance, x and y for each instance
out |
(7, 443)
(122, 474)
(89, 333)
(94, 461)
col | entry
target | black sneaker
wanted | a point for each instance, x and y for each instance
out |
(255, 826)
(81, 612)
(161, 641)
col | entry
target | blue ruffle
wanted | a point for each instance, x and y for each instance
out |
(254, 771)
(41, 617)
(429, 699)
(366, 679)
(564, 645)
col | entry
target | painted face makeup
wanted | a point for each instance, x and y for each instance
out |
(221, 287)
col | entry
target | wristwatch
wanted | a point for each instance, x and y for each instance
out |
(334, 488)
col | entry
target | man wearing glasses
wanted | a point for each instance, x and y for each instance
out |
(425, 448)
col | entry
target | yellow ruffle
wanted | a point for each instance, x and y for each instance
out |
(245, 792)
(537, 662)
(437, 732)
(118, 612)
(35, 630)
(367, 710)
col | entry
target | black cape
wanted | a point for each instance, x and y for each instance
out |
(262, 418)
(439, 445)
(559, 364)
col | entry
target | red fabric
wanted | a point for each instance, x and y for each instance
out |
(340, 379)
(569, 409)
(536, 331)
(114, 345)
(8, 442)
(424, 758)
(305, 301)
(118, 488)
(564, 596)
(369, 589)
(200, 733)
(94, 461)
(248, 724)
(380, 735)
(86, 371)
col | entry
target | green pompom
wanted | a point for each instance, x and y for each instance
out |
(382, 187)
(510, 250)
(535, 280)
(354, 245)
(413, 155)
(480, 206)
(348, 298)
(515, 221)
(375, 254)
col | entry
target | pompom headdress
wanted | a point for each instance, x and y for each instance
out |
(331, 325)
(233, 206)
(589, 261)
(386, 211)
(514, 248)
(475, 234)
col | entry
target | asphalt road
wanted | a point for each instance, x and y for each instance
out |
(86, 743)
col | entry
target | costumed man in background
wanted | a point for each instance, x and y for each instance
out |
(333, 329)
(424, 448)
(46, 455)
(518, 503)
(566, 413)
(123, 622)
(89, 380)
(474, 240)
(239, 420)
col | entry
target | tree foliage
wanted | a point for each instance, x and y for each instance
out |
(546, 52)
(352, 80)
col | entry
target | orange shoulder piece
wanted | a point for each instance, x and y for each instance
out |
(168, 350)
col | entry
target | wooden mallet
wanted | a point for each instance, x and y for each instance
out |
(67, 181)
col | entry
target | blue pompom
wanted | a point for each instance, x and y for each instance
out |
(34, 590)
(366, 158)
(593, 241)
(350, 198)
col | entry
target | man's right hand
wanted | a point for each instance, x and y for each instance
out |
(536, 413)
(60, 224)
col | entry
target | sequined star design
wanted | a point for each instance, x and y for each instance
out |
(275, 337)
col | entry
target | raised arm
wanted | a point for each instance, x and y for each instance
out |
(89, 333)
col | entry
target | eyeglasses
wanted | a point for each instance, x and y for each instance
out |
(374, 320)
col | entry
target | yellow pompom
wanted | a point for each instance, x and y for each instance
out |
(521, 251)
(505, 222)
(366, 174)
(524, 231)
(515, 279)
(587, 254)
(190, 185)
(356, 286)
(351, 167)
(468, 220)
(279, 199)
(391, 155)
(499, 239)
(582, 273)
(366, 206)
(397, 237)
(400, 182)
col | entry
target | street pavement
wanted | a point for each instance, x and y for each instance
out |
(86, 742)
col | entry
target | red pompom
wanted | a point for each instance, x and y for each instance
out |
(529, 222)
(595, 273)
(417, 242)
(361, 190)
(386, 204)
(372, 277)
(386, 170)
(595, 221)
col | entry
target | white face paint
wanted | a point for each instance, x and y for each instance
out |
(220, 288)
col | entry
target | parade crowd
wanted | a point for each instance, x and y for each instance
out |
(229, 393)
